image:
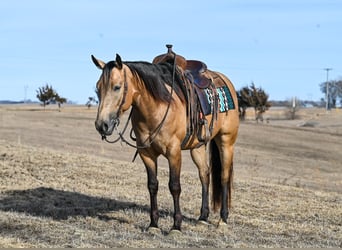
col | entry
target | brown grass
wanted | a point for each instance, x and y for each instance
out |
(61, 186)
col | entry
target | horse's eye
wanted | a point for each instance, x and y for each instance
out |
(116, 87)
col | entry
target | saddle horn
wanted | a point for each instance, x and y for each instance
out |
(170, 58)
(169, 49)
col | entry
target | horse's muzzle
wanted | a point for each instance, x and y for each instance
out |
(106, 127)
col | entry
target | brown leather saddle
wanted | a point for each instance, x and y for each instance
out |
(194, 70)
(196, 83)
(197, 70)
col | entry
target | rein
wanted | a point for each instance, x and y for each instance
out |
(153, 136)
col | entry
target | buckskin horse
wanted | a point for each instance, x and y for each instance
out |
(176, 104)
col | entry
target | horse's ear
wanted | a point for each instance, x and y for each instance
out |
(100, 64)
(118, 61)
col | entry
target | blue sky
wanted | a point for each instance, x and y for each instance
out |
(282, 46)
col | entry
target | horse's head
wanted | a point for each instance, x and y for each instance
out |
(111, 89)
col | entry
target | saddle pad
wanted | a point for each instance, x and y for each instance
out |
(206, 98)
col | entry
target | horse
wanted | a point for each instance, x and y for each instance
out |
(155, 94)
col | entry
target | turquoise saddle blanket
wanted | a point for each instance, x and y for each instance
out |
(207, 99)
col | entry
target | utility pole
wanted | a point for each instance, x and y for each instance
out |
(327, 89)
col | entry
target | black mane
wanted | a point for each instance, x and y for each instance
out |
(155, 76)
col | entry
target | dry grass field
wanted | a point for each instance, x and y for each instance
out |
(61, 186)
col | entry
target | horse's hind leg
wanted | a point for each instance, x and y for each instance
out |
(199, 157)
(226, 156)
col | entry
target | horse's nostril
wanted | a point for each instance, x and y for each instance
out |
(104, 127)
(101, 127)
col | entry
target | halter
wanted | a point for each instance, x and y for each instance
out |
(152, 136)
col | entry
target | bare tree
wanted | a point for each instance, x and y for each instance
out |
(245, 100)
(91, 101)
(251, 96)
(60, 101)
(335, 92)
(46, 94)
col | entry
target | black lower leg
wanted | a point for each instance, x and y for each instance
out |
(224, 206)
(154, 214)
(205, 204)
(175, 190)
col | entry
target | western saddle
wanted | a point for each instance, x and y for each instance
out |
(196, 81)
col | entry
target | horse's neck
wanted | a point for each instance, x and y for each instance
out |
(146, 105)
(149, 110)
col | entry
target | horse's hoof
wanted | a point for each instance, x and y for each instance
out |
(222, 224)
(174, 233)
(203, 223)
(154, 230)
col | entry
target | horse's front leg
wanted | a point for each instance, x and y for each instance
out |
(175, 161)
(150, 162)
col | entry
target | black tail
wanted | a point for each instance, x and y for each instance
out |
(216, 170)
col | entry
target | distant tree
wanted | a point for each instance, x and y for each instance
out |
(60, 101)
(91, 100)
(251, 96)
(46, 94)
(245, 101)
(335, 92)
(260, 101)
